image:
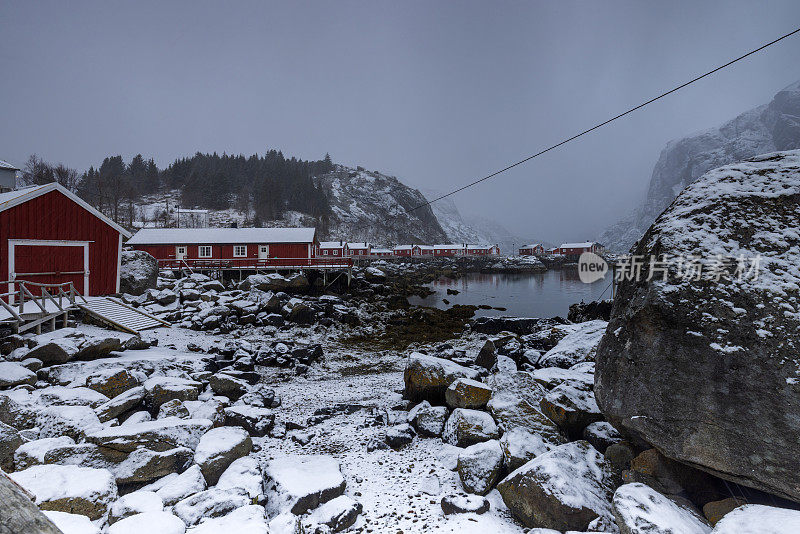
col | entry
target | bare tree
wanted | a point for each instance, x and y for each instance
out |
(37, 171)
(66, 177)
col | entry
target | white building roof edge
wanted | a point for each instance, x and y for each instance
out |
(221, 236)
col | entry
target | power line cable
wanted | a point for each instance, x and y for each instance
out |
(600, 125)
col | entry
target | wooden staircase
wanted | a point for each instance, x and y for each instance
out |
(120, 316)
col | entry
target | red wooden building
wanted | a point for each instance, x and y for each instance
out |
(530, 250)
(333, 248)
(449, 250)
(576, 249)
(483, 250)
(243, 247)
(50, 236)
(359, 249)
(406, 250)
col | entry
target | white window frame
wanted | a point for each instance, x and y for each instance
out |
(237, 249)
(324, 252)
(202, 248)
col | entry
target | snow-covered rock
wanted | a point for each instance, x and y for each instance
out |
(73, 421)
(149, 522)
(111, 382)
(137, 502)
(13, 374)
(161, 389)
(564, 489)
(120, 404)
(244, 473)
(728, 339)
(212, 502)
(160, 435)
(32, 452)
(639, 509)
(480, 465)
(145, 465)
(256, 421)
(466, 393)
(758, 519)
(521, 446)
(464, 504)
(64, 396)
(427, 377)
(571, 405)
(138, 272)
(466, 427)
(601, 435)
(176, 487)
(577, 346)
(301, 483)
(515, 403)
(69, 488)
(218, 448)
(428, 420)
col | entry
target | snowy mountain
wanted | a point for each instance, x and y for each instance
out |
(370, 206)
(767, 128)
(470, 228)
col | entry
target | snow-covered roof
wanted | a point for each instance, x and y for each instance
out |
(404, 247)
(479, 247)
(182, 210)
(358, 245)
(448, 247)
(20, 196)
(586, 244)
(534, 245)
(332, 244)
(381, 251)
(219, 236)
(425, 247)
(7, 166)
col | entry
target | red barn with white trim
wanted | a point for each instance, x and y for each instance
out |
(530, 250)
(48, 235)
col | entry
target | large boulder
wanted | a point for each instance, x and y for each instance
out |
(69, 488)
(13, 374)
(756, 518)
(479, 466)
(159, 436)
(427, 377)
(706, 370)
(466, 393)
(301, 483)
(467, 427)
(564, 489)
(138, 272)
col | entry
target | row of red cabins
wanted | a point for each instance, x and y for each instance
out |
(48, 235)
(566, 249)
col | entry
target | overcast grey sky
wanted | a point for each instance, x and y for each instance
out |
(436, 93)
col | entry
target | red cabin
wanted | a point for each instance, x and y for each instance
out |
(234, 247)
(576, 249)
(359, 249)
(449, 250)
(50, 236)
(483, 250)
(530, 250)
(333, 249)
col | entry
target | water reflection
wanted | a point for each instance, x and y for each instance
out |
(524, 295)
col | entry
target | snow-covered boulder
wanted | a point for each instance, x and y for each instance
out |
(19, 513)
(10, 441)
(601, 435)
(680, 352)
(218, 448)
(137, 502)
(257, 421)
(571, 406)
(33, 452)
(138, 272)
(212, 502)
(639, 509)
(464, 504)
(73, 421)
(244, 473)
(65, 396)
(145, 465)
(173, 488)
(521, 446)
(301, 483)
(427, 377)
(564, 489)
(399, 436)
(248, 519)
(515, 403)
(120, 404)
(161, 389)
(577, 346)
(69, 488)
(336, 514)
(13, 374)
(149, 522)
(227, 385)
(428, 420)
(480, 465)
(466, 427)
(758, 519)
(160, 435)
(111, 382)
(70, 523)
(467, 393)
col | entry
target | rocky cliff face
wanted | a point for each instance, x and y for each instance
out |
(708, 371)
(370, 206)
(775, 126)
